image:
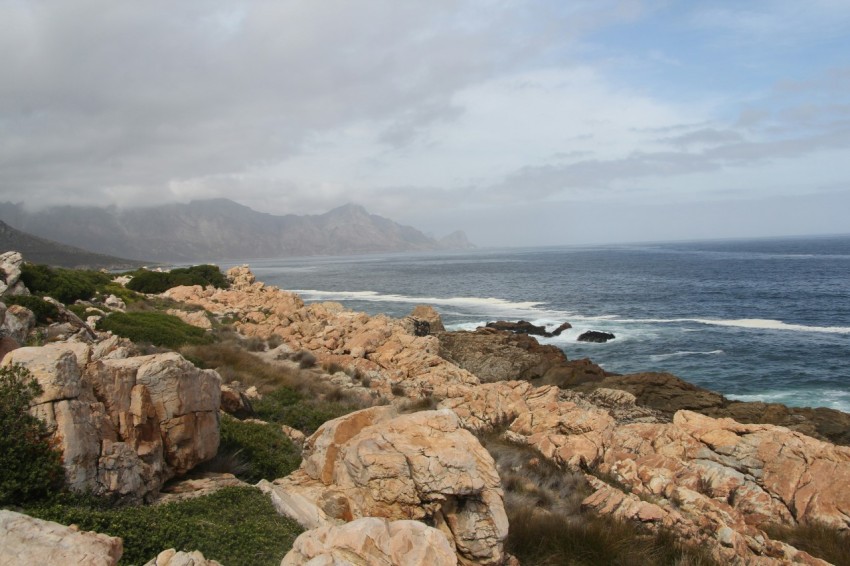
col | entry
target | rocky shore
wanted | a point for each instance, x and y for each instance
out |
(420, 486)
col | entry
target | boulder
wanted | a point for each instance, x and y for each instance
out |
(171, 557)
(422, 466)
(372, 540)
(595, 336)
(426, 319)
(10, 274)
(26, 540)
(125, 425)
(18, 323)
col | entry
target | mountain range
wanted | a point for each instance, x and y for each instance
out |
(220, 229)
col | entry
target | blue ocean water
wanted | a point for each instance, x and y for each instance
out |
(754, 320)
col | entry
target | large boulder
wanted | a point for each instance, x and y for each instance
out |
(18, 323)
(125, 425)
(26, 540)
(10, 274)
(423, 466)
(372, 541)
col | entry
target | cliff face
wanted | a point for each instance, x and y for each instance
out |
(218, 229)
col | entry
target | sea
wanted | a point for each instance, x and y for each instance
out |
(765, 319)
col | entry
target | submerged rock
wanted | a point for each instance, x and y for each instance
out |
(595, 336)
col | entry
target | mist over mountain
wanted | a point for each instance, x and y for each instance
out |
(40, 250)
(217, 229)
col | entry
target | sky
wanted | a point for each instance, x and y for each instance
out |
(539, 122)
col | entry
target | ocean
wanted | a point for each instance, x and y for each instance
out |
(761, 319)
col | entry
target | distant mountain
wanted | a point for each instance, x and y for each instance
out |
(218, 229)
(39, 250)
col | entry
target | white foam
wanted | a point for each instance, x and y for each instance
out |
(479, 303)
(829, 398)
(751, 323)
(661, 357)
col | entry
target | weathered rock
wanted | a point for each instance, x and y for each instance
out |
(125, 425)
(28, 541)
(418, 466)
(195, 318)
(715, 482)
(595, 336)
(115, 303)
(494, 355)
(372, 541)
(70, 318)
(10, 274)
(235, 401)
(18, 323)
(171, 557)
(197, 486)
(423, 320)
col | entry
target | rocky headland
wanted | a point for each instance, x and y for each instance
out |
(415, 472)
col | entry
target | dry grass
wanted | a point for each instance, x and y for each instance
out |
(547, 526)
(821, 541)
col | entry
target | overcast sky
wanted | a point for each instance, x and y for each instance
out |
(522, 122)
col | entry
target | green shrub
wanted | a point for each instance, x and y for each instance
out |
(64, 285)
(266, 451)
(236, 525)
(126, 295)
(156, 328)
(289, 407)
(29, 467)
(145, 281)
(44, 312)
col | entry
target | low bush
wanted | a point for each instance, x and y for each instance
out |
(30, 468)
(821, 541)
(156, 328)
(44, 312)
(145, 281)
(289, 407)
(266, 452)
(64, 285)
(236, 525)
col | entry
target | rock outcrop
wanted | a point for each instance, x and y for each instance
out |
(10, 274)
(499, 355)
(595, 336)
(715, 482)
(383, 349)
(423, 466)
(373, 541)
(26, 540)
(525, 327)
(124, 424)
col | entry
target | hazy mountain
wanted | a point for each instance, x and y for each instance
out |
(218, 229)
(39, 250)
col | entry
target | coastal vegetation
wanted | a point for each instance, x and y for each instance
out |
(145, 281)
(235, 525)
(157, 328)
(30, 468)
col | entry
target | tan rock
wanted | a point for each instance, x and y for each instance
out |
(416, 466)
(18, 323)
(373, 541)
(26, 541)
(195, 318)
(171, 557)
(125, 425)
(10, 274)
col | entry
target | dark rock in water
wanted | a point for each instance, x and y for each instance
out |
(595, 336)
(564, 326)
(525, 327)
(518, 327)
